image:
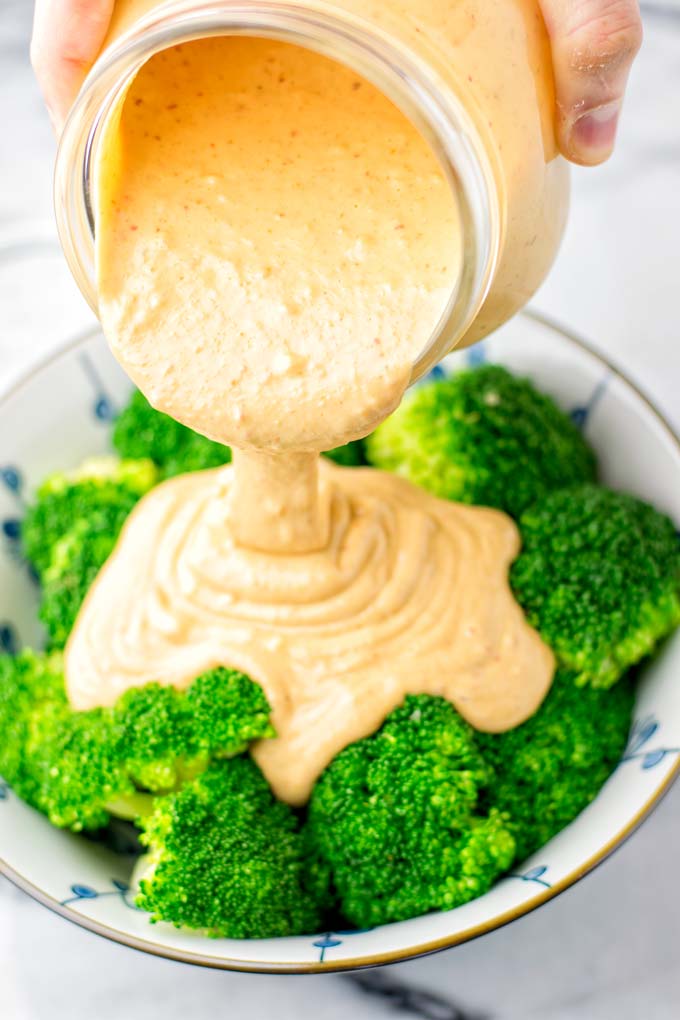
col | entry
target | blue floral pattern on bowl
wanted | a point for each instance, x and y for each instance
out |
(534, 875)
(641, 733)
(121, 889)
(104, 407)
(332, 940)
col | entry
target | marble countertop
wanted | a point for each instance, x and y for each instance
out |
(609, 948)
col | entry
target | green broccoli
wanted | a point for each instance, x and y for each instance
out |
(64, 763)
(169, 735)
(599, 577)
(27, 682)
(156, 736)
(552, 766)
(482, 436)
(100, 492)
(142, 431)
(70, 530)
(397, 817)
(227, 858)
(74, 760)
(79, 768)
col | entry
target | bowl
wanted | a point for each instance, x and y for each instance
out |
(61, 412)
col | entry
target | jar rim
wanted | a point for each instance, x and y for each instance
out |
(431, 104)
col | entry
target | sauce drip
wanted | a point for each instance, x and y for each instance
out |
(275, 244)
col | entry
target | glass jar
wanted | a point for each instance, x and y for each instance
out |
(474, 78)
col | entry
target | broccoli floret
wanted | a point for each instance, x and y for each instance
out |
(397, 817)
(137, 475)
(79, 768)
(71, 529)
(552, 766)
(27, 682)
(156, 736)
(485, 437)
(599, 577)
(225, 857)
(170, 735)
(103, 487)
(74, 760)
(142, 431)
(228, 711)
(79, 557)
(63, 763)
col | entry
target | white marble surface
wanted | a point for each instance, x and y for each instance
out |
(609, 949)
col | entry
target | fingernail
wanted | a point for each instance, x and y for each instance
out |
(594, 133)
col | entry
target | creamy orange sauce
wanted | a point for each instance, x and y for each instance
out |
(275, 243)
(495, 55)
(407, 594)
(273, 235)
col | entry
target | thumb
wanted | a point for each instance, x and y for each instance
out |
(67, 35)
(593, 46)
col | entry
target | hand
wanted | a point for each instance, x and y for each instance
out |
(67, 36)
(593, 46)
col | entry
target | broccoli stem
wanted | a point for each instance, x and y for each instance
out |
(131, 806)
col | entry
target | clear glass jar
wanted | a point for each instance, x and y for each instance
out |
(475, 79)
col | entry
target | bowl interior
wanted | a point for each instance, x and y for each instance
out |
(62, 412)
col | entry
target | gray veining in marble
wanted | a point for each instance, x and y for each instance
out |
(608, 949)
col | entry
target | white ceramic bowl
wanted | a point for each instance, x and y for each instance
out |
(61, 412)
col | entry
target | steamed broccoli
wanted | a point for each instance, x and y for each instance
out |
(70, 530)
(397, 817)
(28, 681)
(74, 760)
(170, 735)
(79, 768)
(65, 763)
(552, 766)
(482, 436)
(142, 431)
(227, 858)
(101, 491)
(599, 577)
